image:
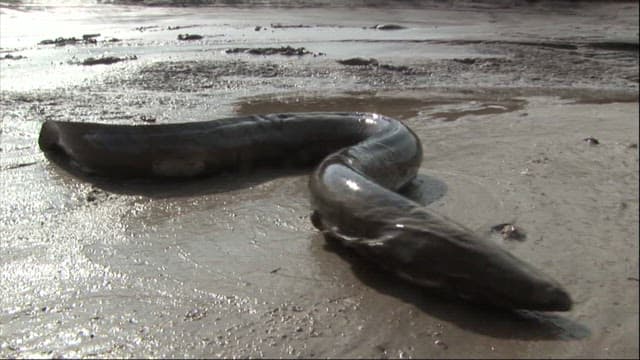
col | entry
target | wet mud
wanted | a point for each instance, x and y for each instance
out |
(231, 266)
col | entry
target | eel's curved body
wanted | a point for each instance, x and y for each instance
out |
(365, 158)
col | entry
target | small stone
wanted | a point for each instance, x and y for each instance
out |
(283, 50)
(509, 231)
(525, 172)
(591, 140)
(466, 61)
(106, 60)
(358, 61)
(195, 314)
(189, 37)
(441, 344)
(12, 57)
(147, 119)
(388, 27)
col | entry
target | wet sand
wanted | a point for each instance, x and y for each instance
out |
(231, 266)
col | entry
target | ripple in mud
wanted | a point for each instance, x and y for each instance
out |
(210, 75)
(191, 76)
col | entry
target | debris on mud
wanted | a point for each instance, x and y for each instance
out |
(509, 231)
(283, 50)
(17, 166)
(178, 27)
(388, 27)
(96, 194)
(195, 314)
(591, 140)
(400, 68)
(106, 60)
(466, 61)
(441, 344)
(188, 37)
(145, 28)
(87, 39)
(358, 61)
(12, 57)
(286, 26)
(147, 119)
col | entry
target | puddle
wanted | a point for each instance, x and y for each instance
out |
(398, 107)
(402, 106)
(603, 97)
(442, 105)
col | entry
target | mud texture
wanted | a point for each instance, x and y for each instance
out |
(502, 95)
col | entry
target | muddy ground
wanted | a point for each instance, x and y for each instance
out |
(502, 97)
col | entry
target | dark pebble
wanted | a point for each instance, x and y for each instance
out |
(591, 140)
(187, 37)
(358, 61)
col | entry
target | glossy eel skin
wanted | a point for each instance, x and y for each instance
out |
(364, 160)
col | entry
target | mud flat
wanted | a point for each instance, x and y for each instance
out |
(231, 266)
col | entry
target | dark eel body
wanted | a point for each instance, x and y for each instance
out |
(364, 159)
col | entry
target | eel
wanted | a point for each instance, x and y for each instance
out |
(364, 160)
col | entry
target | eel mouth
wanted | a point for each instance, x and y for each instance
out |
(49, 139)
(52, 141)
